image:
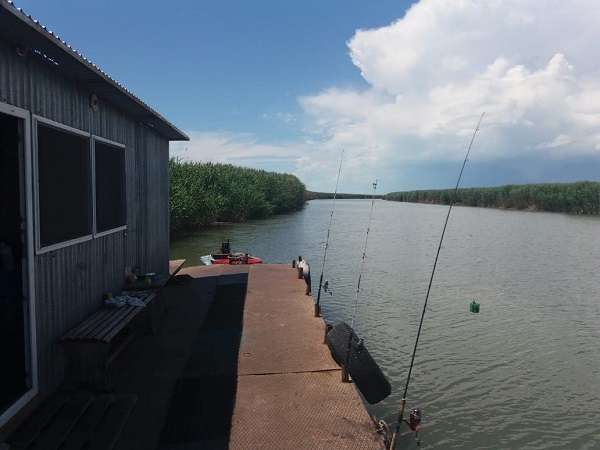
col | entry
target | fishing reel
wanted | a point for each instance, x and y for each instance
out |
(389, 437)
(414, 419)
(414, 423)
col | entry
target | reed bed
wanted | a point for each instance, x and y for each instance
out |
(204, 193)
(582, 197)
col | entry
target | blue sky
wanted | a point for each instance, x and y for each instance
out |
(285, 85)
(220, 65)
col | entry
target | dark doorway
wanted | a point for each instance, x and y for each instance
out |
(14, 349)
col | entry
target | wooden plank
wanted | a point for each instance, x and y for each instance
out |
(56, 432)
(39, 420)
(151, 296)
(87, 328)
(82, 434)
(109, 323)
(175, 266)
(107, 434)
(93, 325)
(86, 324)
(118, 327)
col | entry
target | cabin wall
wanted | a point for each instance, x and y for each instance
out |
(70, 281)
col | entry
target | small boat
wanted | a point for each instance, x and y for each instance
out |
(227, 257)
(230, 258)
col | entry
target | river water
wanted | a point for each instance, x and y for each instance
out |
(524, 373)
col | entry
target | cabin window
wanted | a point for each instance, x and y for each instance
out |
(109, 167)
(64, 185)
(80, 186)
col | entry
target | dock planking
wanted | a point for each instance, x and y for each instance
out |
(258, 375)
(289, 393)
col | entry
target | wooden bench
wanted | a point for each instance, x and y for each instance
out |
(91, 346)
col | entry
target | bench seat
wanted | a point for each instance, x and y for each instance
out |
(92, 345)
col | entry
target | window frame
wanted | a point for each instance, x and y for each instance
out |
(36, 120)
(39, 250)
(120, 147)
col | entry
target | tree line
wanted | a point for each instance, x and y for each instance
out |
(204, 193)
(582, 197)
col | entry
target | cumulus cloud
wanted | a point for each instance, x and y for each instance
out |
(531, 65)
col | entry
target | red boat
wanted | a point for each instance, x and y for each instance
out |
(226, 257)
(235, 258)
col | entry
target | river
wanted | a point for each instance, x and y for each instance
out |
(524, 373)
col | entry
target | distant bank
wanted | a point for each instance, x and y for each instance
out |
(582, 197)
(205, 193)
(327, 195)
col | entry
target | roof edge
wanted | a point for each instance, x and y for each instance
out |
(171, 132)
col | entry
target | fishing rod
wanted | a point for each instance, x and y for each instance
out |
(357, 291)
(364, 255)
(337, 182)
(412, 359)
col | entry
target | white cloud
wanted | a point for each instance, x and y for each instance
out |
(303, 159)
(532, 65)
(558, 141)
(229, 147)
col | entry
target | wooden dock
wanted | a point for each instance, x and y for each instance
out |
(289, 393)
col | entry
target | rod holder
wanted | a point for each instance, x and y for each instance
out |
(327, 328)
(392, 444)
(345, 375)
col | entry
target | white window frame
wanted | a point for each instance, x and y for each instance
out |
(48, 248)
(28, 195)
(120, 147)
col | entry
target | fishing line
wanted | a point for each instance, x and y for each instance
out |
(412, 360)
(364, 256)
(357, 292)
(337, 182)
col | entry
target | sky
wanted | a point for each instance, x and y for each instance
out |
(397, 85)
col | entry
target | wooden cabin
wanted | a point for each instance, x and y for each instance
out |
(84, 196)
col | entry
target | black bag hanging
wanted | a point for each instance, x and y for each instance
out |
(366, 374)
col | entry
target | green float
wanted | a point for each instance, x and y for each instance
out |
(474, 307)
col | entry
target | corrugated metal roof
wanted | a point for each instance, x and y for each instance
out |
(21, 29)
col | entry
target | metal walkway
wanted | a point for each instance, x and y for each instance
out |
(289, 390)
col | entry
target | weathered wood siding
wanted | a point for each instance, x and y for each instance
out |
(70, 281)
